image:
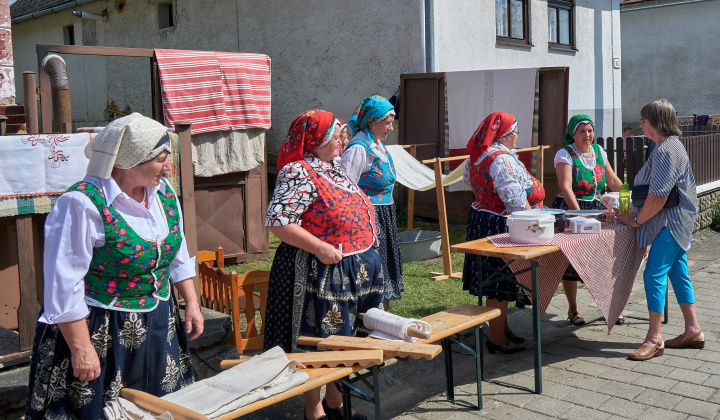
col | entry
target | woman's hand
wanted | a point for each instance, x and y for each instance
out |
(327, 254)
(194, 321)
(626, 219)
(85, 363)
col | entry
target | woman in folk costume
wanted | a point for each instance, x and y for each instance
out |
(501, 185)
(583, 171)
(326, 270)
(369, 164)
(114, 250)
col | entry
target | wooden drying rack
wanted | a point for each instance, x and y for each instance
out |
(442, 210)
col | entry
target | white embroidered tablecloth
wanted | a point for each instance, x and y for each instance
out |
(607, 262)
(41, 164)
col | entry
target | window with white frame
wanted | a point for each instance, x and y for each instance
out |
(561, 25)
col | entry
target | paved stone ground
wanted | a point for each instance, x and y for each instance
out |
(586, 374)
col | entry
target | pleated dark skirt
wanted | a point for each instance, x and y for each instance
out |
(309, 298)
(389, 251)
(559, 203)
(147, 351)
(482, 224)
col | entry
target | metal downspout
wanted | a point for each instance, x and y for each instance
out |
(429, 36)
(55, 67)
(52, 10)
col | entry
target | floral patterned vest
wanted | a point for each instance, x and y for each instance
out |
(351, 224)
(486, 196)
(587, 184)
(129, 273)
(378, 182)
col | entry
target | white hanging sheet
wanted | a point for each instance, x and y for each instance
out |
(416, 175)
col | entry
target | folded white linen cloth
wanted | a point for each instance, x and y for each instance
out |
(392, 327)
(122, 409)
(262, 376)
(225, 152)
(416, 175)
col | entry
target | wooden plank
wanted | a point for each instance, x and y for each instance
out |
(13, 359)
(486, 248)
(158, 405)
(187, 191)
(390, 348)
(460, 318)
(442, 212)
(364, 358)
(28, 250)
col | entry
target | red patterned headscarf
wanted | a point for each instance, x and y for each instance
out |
(494, 126)
(310, 130)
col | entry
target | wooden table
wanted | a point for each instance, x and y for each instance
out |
(445, 326)
(484, 247)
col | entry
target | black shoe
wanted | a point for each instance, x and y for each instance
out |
(515, 339)
(502, 348)
(620, 321)
(337, 413)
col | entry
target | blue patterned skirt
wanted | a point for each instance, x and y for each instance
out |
(140, 350)
(482, 224)
(389, 251)
(309, 298)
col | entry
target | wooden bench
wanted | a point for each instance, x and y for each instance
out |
(446, 325)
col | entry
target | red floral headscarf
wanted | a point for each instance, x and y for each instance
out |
(495, 125)
(310, 130)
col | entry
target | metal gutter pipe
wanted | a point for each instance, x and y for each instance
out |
(52, 10)
(55, 67)
(429, 36)
(656, 5)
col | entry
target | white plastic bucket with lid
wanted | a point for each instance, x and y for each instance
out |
(531, 226)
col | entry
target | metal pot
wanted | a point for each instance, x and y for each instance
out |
(559, 218)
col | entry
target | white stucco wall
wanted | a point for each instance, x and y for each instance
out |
(465, 39)
(671, 52)
(324, 54)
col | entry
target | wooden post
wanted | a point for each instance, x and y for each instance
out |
(187, 191)
(541, 163)
(411, 196)
(444, 235)
(28, 251)
(31, 97)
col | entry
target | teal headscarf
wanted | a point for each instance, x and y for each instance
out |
(572, 126)
(371, 111)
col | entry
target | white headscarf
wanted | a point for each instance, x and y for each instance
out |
(123, 144)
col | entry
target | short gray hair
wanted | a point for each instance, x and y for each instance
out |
(662, 116)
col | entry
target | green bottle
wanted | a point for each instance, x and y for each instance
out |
(625, 199)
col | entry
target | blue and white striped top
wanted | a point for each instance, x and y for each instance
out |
(667, 165)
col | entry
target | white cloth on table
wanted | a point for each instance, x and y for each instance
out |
(563, 156)
(262, 376)
(41, 164)
(74, 227)
(416, 175)
(387, 326)
(122, 409)
(225, 152)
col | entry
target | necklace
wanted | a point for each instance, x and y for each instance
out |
(589, 154)
(144, 199)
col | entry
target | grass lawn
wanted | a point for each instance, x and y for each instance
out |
(422, 296)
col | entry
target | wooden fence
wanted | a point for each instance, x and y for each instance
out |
(703, 151)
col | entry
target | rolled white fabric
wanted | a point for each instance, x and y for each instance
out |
(389, 326)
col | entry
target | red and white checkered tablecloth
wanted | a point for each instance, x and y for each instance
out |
(607, 262)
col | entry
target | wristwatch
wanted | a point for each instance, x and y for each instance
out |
(635, 218)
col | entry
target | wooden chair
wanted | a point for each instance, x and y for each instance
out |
(235, 295)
